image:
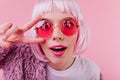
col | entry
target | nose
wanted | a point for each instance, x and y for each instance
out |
(57, 34)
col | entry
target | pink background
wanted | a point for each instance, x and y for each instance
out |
(103, 18)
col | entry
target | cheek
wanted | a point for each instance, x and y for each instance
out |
(72, 40)
(45, 44)
(47, 52)
(71, 44)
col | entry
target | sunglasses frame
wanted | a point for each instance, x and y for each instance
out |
(44, 33)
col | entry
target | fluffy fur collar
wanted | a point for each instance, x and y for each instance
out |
(19, 63)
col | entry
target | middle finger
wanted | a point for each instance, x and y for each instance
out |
(5, 27)
(9, 32)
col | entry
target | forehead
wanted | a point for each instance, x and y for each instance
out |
(56, 15)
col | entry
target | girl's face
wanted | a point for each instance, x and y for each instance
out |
(60, 32)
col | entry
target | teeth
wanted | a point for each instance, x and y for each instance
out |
(58, 48)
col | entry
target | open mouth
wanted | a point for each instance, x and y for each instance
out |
(58, 50)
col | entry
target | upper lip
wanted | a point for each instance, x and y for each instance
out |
(55, 46)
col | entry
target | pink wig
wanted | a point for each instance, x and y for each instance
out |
(71, 6)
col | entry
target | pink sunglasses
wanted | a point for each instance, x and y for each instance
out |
(44, 28)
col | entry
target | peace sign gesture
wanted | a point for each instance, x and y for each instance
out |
(10, 34)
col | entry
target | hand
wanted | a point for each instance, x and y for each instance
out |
(10, 34)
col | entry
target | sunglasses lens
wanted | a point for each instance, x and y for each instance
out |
(44, 29)
(69, 27)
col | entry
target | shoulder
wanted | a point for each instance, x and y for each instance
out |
(24, 49)
(21, 48)
(87, 63)
(11, 55)
(89, 67)
(17, 51)
(21, 45)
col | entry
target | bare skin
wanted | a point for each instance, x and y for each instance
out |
(11, 34)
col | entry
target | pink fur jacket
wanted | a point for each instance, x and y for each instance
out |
(19, 63)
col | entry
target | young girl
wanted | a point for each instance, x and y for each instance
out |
(57, 35)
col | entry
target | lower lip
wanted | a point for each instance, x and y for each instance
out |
(60, 53)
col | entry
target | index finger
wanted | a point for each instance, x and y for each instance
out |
(30, 24)
(33, 40)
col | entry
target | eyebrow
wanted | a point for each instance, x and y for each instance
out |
(45, 19)
(68, 18)
(61, 20)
